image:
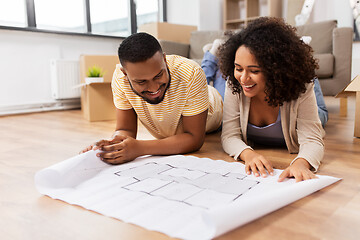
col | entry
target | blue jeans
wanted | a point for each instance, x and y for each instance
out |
(322, 110)
(210, 66)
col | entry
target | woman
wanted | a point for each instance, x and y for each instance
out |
(269, 98)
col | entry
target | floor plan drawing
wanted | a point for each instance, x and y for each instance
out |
(184, 197)
(193, 187)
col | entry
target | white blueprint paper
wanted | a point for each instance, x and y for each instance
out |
(182, 196)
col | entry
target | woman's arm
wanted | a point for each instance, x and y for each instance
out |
(231, 136)
(309, 130)
(310, 138)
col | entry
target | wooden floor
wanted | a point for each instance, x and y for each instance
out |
(35, 141)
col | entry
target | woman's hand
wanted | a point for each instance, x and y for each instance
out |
(300, 170)
(256, 163)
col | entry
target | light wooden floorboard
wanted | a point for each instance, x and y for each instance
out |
(34, 141)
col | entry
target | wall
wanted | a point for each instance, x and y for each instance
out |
(211, 14)
(25, 64)
(333, 9)
(355, 70)
(205, 14)
(183, 12)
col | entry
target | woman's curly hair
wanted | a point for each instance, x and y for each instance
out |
(285, 60)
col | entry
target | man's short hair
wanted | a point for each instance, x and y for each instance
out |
(138, 47)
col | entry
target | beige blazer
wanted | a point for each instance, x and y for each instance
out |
(300, 124)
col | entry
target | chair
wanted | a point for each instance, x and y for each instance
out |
(333, 48)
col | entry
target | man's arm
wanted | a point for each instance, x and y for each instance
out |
(126, 123)
(190, 140)
(126, 126)
(125, 147)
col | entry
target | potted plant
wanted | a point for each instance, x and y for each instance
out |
(94, 74)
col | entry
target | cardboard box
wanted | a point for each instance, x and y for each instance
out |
(168, 31)
(353, 88)
(97, 102)
(96, 98)
(106, 62)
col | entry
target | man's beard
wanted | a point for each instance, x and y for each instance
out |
(158, 99)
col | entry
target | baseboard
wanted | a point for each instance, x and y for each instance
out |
(65, 104)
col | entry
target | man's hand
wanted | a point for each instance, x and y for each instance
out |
(300, 170)
(120, 149)
(87, 149)
(256, 163)
(97, 145)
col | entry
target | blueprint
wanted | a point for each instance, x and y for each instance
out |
(182, 196)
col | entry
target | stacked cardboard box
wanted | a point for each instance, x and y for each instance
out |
(168, 31)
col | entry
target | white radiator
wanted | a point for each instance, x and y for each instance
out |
(64, 76)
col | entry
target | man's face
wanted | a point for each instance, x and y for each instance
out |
(149, 79)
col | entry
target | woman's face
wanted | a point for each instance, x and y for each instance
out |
(248, 73)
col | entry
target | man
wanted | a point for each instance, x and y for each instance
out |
(170, 97)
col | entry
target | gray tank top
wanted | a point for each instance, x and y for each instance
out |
(270, 135)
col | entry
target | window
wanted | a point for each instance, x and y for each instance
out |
(13, 13)
(110, 17)
(117, 18)
(62, 15)
(147, 11)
